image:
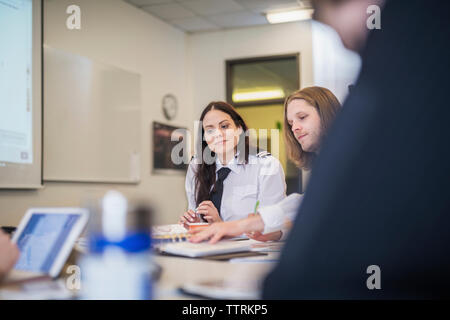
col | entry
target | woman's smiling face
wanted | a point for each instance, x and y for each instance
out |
(305, 124)
(221, 133)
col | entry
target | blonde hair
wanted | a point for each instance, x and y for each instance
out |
(327, 106)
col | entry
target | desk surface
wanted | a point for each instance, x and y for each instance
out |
(176, 271)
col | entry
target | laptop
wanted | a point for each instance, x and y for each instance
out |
(45, 238)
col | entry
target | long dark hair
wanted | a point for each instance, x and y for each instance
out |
(205, 175)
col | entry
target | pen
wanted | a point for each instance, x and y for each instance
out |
(200, 216)
(256, 207)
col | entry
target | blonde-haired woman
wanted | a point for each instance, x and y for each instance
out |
(308, 114)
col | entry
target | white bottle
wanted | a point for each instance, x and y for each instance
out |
(118, 265)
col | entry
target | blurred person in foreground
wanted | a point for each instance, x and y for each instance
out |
(8, 254)
(375, 220)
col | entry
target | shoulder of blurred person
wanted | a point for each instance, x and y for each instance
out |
(377, 195)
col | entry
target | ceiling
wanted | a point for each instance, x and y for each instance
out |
(209, 15)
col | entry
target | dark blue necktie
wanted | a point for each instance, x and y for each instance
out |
(216, 194)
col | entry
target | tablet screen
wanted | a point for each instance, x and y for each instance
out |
(42, 239)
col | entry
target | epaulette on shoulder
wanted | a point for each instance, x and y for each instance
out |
(263, 154)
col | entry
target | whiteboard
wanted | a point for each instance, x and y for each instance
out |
(92, 126)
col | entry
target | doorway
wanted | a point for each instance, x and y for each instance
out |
(257, 87)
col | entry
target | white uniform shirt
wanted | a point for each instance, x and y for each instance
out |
(261, 179)
(280, 215)
(276, 216)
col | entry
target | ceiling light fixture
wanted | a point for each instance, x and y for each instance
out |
(289, 16)
(258, 95)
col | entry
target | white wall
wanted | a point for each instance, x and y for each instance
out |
(115, 33)
(208, 52)
(335, 67)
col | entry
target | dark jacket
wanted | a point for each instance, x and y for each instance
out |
(379, 190)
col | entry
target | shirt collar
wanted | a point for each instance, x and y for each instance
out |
(233, 165)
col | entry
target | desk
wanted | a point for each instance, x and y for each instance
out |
(176, 271)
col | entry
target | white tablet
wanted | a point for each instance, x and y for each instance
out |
(46, 236)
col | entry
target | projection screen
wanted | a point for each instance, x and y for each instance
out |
(20, 94)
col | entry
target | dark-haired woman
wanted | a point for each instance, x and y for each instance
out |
(225, 179)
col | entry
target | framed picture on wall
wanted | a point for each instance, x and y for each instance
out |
(170, 152)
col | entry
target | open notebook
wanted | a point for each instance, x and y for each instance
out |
(204, 249)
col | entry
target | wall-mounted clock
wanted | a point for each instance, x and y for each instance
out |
(170, 106)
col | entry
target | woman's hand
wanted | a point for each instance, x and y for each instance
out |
(189, 217)
(217, 231)
(220, 230)
(209, 212)
(258, 236)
